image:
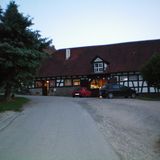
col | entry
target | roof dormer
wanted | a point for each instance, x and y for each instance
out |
(99, 65)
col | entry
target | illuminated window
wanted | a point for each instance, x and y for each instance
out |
(97, 83)
(76, 82)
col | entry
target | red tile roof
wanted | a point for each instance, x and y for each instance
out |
(122, 57)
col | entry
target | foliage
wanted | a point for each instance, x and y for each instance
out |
(149, 97)
(13, 105)
(151, 71)
(21, 48)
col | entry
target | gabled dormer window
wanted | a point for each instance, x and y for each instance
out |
(99, 66)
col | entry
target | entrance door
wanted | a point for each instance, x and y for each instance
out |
(45, 88)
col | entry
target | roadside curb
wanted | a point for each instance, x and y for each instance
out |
(6, 118)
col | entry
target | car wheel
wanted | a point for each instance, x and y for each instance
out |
(110, 95)
(133, 95)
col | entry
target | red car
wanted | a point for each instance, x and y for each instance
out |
(81, 92)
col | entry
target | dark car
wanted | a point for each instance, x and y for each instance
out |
(81, 92)
(111, 90)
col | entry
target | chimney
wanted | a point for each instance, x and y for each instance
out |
(68, 54)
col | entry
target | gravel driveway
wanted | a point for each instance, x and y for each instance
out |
(131, 126)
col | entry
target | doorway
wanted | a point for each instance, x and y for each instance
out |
(45, 88)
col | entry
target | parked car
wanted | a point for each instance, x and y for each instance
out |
(112, 90)
(81, 92)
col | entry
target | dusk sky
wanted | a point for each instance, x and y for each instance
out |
(74, 23)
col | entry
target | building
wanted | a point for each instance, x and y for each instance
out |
(93, 66)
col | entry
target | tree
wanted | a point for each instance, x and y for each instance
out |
(21, 49)
(151, 71)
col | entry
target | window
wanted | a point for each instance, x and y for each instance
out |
(67, 82)
(133, 77)
(140, 77)
(98, 67)
(60, 82)
(76, 82)
(38, 84)
(52, 83)
(123, 78)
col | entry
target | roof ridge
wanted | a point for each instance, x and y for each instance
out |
(112, 44)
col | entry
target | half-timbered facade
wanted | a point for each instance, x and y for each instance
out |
(93, 66)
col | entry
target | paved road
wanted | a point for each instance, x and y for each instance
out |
(54, 128)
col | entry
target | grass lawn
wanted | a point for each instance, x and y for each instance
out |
(14, 105)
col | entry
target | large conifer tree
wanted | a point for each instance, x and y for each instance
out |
(21, 49)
